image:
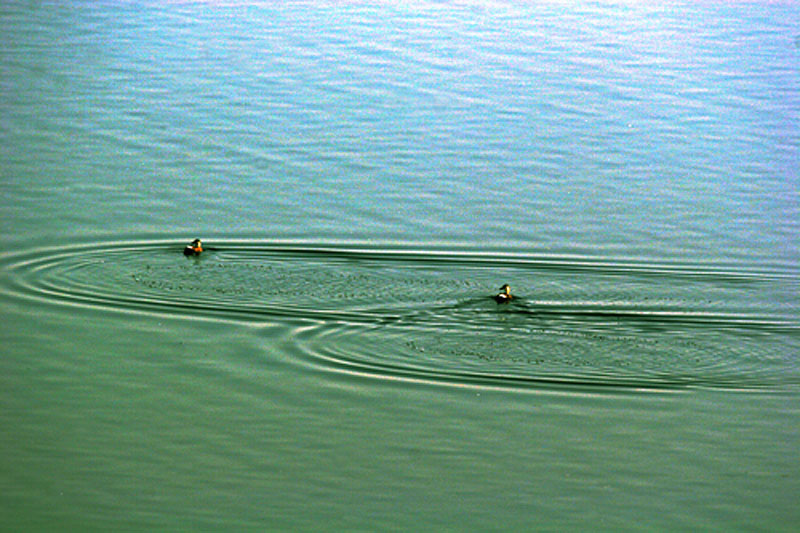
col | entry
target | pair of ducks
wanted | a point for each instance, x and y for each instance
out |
(503, 297)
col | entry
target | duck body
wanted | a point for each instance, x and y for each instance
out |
(504, 296)
(195, 248)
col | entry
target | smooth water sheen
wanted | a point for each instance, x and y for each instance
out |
(364, 177)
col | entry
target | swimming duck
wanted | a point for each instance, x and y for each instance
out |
(504, 296)
(193, 249)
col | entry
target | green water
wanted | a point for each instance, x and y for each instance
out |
(364, 178)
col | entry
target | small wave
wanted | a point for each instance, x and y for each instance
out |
(427, 315)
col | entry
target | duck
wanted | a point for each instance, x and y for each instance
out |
(194, 248)
(504, 296)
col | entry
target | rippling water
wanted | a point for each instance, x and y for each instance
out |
(364, 177)
(429, 315)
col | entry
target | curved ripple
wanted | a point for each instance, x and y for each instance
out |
(426, 315)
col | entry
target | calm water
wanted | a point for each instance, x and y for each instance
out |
(364, 177)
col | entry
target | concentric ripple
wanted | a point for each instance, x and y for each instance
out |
(427, 315)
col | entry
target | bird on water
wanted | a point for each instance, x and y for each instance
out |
(195, 248)
(504, 296)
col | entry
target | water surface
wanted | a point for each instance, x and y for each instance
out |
(364, 177)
